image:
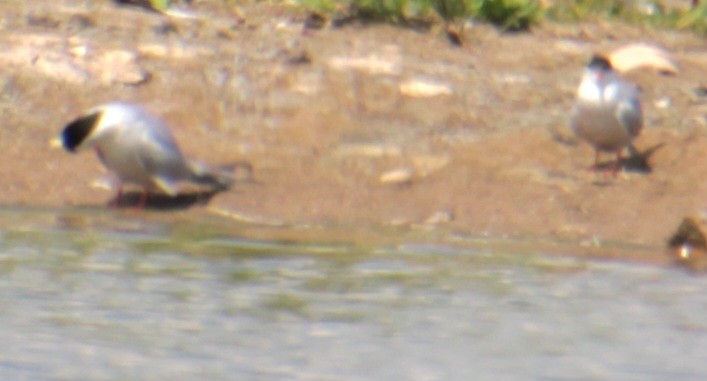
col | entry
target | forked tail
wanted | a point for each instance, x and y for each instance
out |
(219, 178)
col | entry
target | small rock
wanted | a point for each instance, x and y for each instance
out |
(663, 103)
(55, 143)
(299, 57)
(80, 51)
(368, 150)
(388, 61)
(57, 66)
(80, 22)
(454, 36)
(314, 21)
(165, 28)
(118, 66)
(397, 176)
(688, 246)
(512, 78)
(420, 88)
(442, 216)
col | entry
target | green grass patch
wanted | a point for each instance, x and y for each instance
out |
(647, 13)
(507, 14)
(159, 5)
(515, 15)
(696, 19)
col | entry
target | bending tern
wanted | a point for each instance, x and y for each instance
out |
(140, 149)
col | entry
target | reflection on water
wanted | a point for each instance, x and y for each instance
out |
(101, 295)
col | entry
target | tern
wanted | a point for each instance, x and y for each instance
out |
(139, 148)
(607, 111)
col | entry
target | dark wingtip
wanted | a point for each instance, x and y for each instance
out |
(76, 132)
(600, 62)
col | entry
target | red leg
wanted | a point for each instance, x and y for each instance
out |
(142, 201)
(617, 165)
(595, 166)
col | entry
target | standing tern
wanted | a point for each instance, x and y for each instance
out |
(607, 110)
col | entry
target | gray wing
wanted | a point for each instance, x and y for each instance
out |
(628, 109)
(160, 156)
(630, 116)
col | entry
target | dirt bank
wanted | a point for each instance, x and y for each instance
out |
(359, 124)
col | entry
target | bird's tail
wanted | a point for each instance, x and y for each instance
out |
(219, 178)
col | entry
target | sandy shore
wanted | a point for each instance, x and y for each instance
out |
(360, 124)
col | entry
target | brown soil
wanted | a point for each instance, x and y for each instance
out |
(324, 118)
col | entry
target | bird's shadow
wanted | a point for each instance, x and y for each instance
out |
(133, 199)
(637, 162)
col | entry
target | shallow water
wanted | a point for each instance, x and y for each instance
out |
(104, 295)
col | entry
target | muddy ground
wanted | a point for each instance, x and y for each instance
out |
(356, 125)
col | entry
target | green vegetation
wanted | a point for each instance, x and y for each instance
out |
(515, 15)
(508, 14)
(696, 19)
(646, 12)
(512, 15)
(159, 5)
